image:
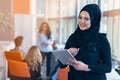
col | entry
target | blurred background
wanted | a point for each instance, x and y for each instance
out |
(23, 17)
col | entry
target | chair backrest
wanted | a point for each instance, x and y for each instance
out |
(63, 73)
(18, 69)
(14, 55)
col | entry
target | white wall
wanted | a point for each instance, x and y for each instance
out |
(25, 26)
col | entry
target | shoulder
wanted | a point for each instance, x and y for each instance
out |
(102, 36)
(71, 36)
(12, 50)
(70, 41)
(103, 39)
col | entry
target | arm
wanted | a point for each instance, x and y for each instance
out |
(105, 53)
(44, 40)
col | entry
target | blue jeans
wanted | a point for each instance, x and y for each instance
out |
(48, 56)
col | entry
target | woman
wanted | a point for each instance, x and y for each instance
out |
(34, 60)
(45, 44)
(90, 48)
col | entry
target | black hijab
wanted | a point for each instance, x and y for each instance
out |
(81, 37)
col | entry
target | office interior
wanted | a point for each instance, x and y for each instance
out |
(23, 17)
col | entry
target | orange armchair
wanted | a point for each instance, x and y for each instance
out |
(18, 70)
(63, 73)
(14, 55)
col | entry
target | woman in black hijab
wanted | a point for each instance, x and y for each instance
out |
(90, 48)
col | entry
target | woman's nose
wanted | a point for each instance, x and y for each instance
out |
(82, 20)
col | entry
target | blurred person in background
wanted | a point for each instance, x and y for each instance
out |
(18, 44)
(34, 61)
(45, 42)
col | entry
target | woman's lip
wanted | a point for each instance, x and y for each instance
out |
(82, 25)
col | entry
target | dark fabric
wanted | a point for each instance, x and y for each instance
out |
(94, 49)
(97, 55)
(35, 74)
(118, 70)
(54, 68)
(48, 56)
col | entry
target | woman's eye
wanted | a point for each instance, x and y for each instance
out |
(86, 19)
(80, 17)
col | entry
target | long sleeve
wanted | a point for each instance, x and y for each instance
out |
(105, 53)
(43, 39)
(45, 43)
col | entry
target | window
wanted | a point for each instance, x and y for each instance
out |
(103, 26)
(54, 25)
(110, 5)
(115, 37)
(68, 27)
(116, 4)
(41, 7)
(92, 1)
(104, 5)
(68, 8)
(52, 8)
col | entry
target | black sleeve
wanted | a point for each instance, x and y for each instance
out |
(105, 53)
(70, 43)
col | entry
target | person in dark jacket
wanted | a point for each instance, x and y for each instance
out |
(90, 48)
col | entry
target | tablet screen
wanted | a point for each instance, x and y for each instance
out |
(63, 56)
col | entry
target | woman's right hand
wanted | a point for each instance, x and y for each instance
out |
(79, 65)
(73, 51)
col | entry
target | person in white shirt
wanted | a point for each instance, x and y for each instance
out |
(45, 44)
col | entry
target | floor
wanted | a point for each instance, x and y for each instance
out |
(113, 75)
(43, 72)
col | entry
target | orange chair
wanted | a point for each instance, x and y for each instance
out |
(14, 55)
(63, 73)
(18, 70)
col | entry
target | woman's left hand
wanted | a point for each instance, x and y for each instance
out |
(79, 65)
(73, 51)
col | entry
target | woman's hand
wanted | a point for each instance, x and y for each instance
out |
(73, 51)
(79, 65)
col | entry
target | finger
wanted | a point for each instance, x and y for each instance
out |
(69, 50)
(78, 49)
(71, 63)
(74, 62)
(71, 60)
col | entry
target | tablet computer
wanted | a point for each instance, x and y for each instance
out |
(63, 56)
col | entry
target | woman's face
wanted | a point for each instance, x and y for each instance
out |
(44, 27)
(84, 20)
